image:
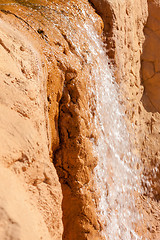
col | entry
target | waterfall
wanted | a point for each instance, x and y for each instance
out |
(116, 176)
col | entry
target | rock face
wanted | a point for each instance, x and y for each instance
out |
(151, 59)
(30, 199)
(46, 137)
(133, 37)
(45, 96)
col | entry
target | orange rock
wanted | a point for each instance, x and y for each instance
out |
(135, 51)
(45, 67)
(45, 112)
(31, 194)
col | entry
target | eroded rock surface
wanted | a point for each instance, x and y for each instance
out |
(46, 112)
(134, 33)
(49, 114)
(151, 59)
(30, 199)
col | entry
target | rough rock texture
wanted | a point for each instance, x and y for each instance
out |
(45, 116)
(133, 37)
(35, 131)
(151, 59)
(30, 192)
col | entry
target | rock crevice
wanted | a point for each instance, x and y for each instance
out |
(47, 110)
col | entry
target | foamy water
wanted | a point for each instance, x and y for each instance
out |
(116, 178)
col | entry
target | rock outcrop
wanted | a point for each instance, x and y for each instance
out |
(151, 59)
(133, 37)
(30, 198)
(46, 112)
(45, 104)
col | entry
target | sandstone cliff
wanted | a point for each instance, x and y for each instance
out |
(132, 32)
(46, 112)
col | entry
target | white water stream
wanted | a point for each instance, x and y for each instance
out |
(116, 177)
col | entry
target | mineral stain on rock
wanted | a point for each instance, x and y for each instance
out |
(47, 158)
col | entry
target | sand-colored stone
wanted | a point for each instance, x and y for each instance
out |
(134, 33)
(19, 217)
(44, 113)
(30, 190)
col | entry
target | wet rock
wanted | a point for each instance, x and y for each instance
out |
(46, 112)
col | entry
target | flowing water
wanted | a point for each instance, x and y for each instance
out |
(116, 177)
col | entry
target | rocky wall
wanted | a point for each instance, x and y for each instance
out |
(50, 122)
(46, 140)
(134, 33)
